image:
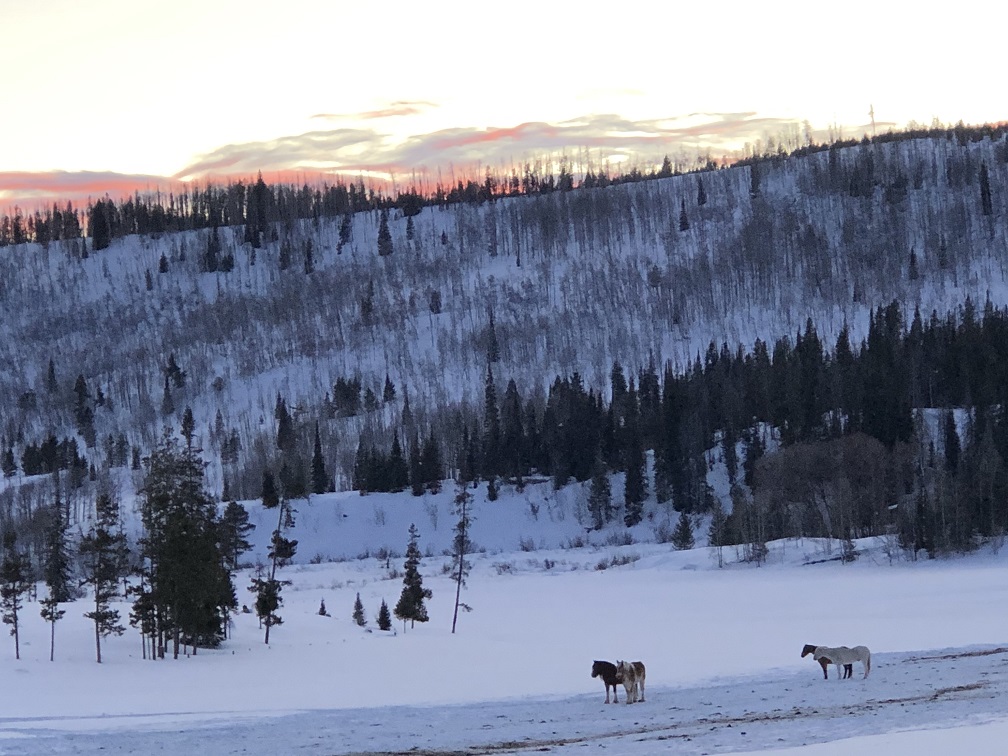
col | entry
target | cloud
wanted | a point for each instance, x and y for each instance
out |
(351, 151)
(347, 150)
(398, 108)
(30, 190)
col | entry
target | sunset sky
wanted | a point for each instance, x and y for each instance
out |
(109, 95)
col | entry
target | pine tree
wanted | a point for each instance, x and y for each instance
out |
(190, 587)
(384, 618)
(398, 472)
(682, 536)
(600, 497)
(635, 489)
(701, 193)
(167, 404)
(461, 544)
(416, 475)
(319, 476)
(985, 191)
(491, 429)
(384, 236)
(282, 549)
(51, 385)
(286, 439)
(358, 611)
(55, 570)
(388, 392)
(15, 580)
(103, 556)
(233, 528)
(683, 218)
(9, 466)
(717, 533)
(411, 602)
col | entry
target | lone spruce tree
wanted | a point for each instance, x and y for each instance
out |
(14, 583)
(267, 589)
(384, 618)
(411, 602)
(461, 545)
(682, 536)
(358, 611)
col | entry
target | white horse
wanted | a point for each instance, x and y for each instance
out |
(842, 655)
(632, 674)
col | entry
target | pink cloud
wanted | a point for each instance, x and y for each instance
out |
(326, 154)
(30, 190)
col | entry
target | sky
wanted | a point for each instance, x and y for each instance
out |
(114, 94)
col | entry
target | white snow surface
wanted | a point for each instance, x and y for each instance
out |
(721, 647)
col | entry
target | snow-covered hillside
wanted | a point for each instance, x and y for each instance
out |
(573, 280)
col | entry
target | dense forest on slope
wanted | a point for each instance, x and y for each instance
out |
(482, 330)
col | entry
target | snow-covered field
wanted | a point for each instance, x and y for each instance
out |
(721, 647)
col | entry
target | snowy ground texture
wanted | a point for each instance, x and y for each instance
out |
(721, 647)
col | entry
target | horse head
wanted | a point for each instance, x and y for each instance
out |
(807, 649)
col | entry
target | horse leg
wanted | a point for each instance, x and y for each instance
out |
(824, 663)
(642, 690)
(615, 693)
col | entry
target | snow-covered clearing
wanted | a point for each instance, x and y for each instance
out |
(721, 647)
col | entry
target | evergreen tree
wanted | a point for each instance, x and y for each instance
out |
(55, 570)
(398, 473)
(416, 473)
(233, 528)
(411, 602)
(282, 549)
(270, 497)
(384, 618)
(985, 191)
(683, 218)
(358, 611)
(717, 532)
(384, 236)
(190, 587)
(9, 466)
(431, 469)
(319, 476)
(491, 429)
(635, 489)
(285, 439)
(600, 497)
(461, 544)
(309, 257)
(953, 447)
(389, 392)
(701, 193)
(15, 580)
(682, 536)
(167, 403)
(99, 226)
(51, 385)
(103, 557)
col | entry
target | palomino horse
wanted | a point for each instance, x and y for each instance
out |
(824, 662)
(843, 655)
(632, 675)
(607, 671)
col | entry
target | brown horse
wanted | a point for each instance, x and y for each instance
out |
(824, 662)
(607, 671)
